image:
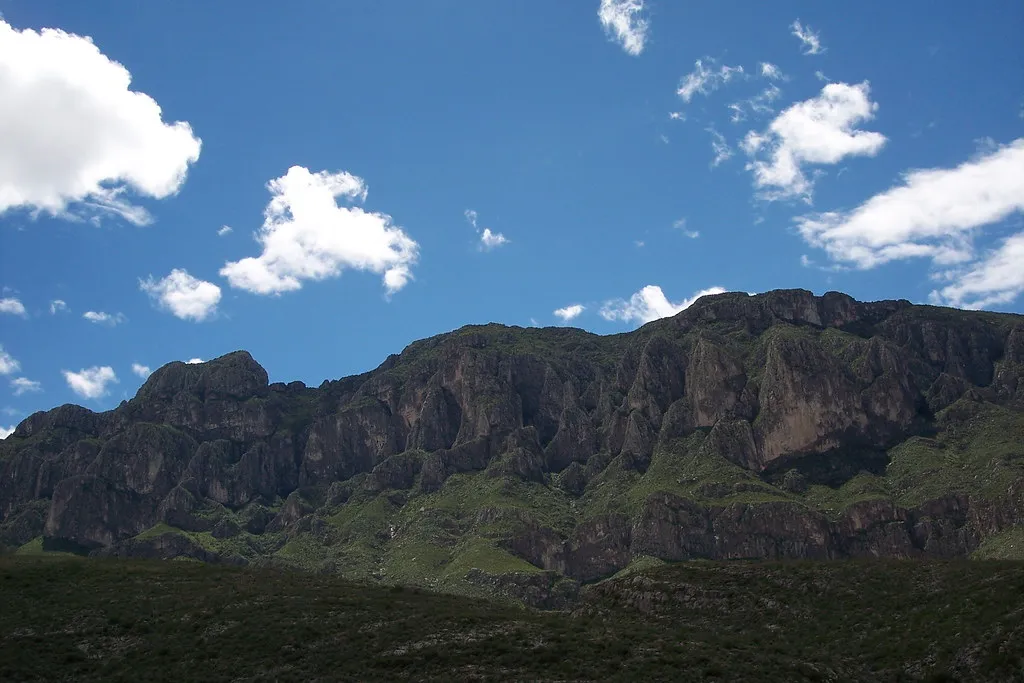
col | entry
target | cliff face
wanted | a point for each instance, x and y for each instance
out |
(777, 425)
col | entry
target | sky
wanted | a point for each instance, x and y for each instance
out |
(323, 183)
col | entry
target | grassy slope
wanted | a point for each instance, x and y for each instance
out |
(91, 620)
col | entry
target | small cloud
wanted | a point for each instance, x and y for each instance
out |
(809, 38)
(6, 431)
(491, 240)
(771, 71)
(680, 225)
(677, 116)
(488, 239)
(186, 297)
(569, 312)
(224, 230)
(58, 305)
(12, 306)
(664, 139)
(705, 80)
(623, 23)
(194, 361)
(639, 244)
(91, 382)
(11, 412)
(103, 318)
(806, 261)
(24, 385)
(8, 364)
(142, 371)
(649, 304)
(721, 148)
(820, 75)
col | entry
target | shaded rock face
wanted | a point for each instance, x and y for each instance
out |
(794, 389)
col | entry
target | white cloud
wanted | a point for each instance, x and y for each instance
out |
(6, 431)
(187, 297)
(998, 278)
(816, 131)
(8, 364)
(758, 104)
(224, 230)
(58, 305)
(622, 22)
(820, 75)
(681, 226)
(491, 240)
(12, 306)
(771, 71)
(141, 370)
(650, 303)
(103, 318)
(73, 131)
(934, 213)
(488, 239)
(194, 361)
(721, 148)
(91, 382)
(24, 385)
(569, 312)
(307, 236)
(705, 80)
(809, 38)
(677, 116)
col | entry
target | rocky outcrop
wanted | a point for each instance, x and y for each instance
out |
(790, 390)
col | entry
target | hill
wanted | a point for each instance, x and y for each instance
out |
(100, 620)
(530, 462)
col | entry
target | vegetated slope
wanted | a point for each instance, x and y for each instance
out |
(532, 461)
(101, 620)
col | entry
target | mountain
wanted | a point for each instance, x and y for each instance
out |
(526, 462)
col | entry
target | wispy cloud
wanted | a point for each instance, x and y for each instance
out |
(706, 78)
(58, 305)
(997, 278)
(104, 318)
(722, 150)
(680, 225)
(771, 71)
(8, 364)
(24, 385)
(224, 230)
(623, 22)
(141, 370)
(810, 39)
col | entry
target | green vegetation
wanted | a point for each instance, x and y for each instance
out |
(114, 620)
(1006, 545)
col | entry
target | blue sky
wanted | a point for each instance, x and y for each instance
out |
(396, 169)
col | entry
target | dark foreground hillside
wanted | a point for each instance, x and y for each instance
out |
(109, 620)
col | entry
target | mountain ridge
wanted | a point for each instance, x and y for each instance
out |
(531, 460)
